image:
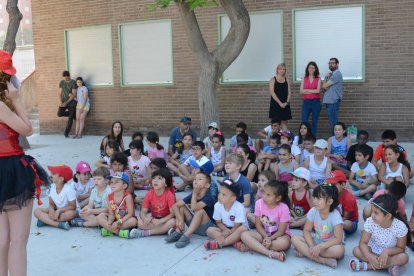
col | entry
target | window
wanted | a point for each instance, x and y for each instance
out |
(262, 51)
(89, 54)
(146, 53)
(320, 34)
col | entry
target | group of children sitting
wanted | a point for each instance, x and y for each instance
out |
(264, 190)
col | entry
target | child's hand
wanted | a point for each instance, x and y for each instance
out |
(226, 233)
(267, 242)
(56, 215)
(373, 261)
(52, 215)
(180, 225)
(157, 221)
(382, 259)
(147, 220)
(315, 251)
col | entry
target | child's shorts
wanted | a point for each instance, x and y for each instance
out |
(354, 228)
(202, 229)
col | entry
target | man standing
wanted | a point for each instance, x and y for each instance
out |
(177, 134)
(67, 107)
(332, 98)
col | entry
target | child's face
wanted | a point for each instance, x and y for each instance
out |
(298, 183)
(79, 83)
(284, 155)
(211, 131)
(117, 129)
(152, 168)
(216, 143)
(84, 177)
(284, 140)
(197, 152)
(134, 151)
(261, 181)
(100, 182)
(269, 196)
(241, 141)
(308, 145)
(226, 196)
(201, 181)
(339, 131)
(318, 151)
(232, 167)
(187, 141)
(360, 158)
(273, 143)
(275, 128)
(377, 215)
(391, 156)
(340, 186)
(387, 142)
(303, 130)
(118, 185)
(109, 151)
(321, 203)
(239, 130)
(117, 167)
(362, 139)
(158, 182)
(241, 152)
(56, 178)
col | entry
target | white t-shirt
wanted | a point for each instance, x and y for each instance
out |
(82, 189)
(62, 199)
(100, 200)
(268, 130)
(236, 214)
(295, 150)
(139, 167)
(363, 174)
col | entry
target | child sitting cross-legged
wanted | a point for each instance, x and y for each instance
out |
(326, 246)
(300, 196)
(82, 183)
(230, 218)
(272, 235)
(63, 206)
(195, 211)
(121, 210)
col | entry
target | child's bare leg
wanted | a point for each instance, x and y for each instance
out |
(366, 213)
(348, 225)
(360, 256)
(370, 189)
(280, 244)
(214, 233)
(251, 217)
(90, 221)
(162, 228)
(68, 215)
(336, 252)
(4, 243)
(302, 249)
(84, 202)
(253, 240)
(200, 217)
(129, 223)
(173, 168)
(42, 214)
(399, 259)
(103, 220)
(233, 237)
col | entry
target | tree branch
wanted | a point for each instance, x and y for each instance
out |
(15, 17)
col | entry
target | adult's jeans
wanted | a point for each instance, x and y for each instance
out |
(332, 110)
(311, 106)
(70, 112)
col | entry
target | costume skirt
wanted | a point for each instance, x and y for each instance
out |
(17, 182)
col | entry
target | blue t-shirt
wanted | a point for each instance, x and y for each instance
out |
(176, 136)
(269, 148)
(207, 199)
(245, 188)
(335, 91)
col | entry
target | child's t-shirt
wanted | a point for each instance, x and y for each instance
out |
(184, 155)
(159, 205)
(324, 228)
(382, 238)
(82, 189)
(272, 217)
(120, 209)
(347, 203)
(153, 152)
(245, 188)
(204, 164)
(139, 167)
(401, 203)
(236, 214)
(62, 199)
(100, 200)
(363, 174)
(207, 199)
(295, 150)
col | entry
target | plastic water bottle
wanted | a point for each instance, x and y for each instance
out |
(351, 132)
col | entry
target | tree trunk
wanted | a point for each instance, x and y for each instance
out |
(15, 17)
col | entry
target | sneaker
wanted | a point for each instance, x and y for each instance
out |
(106, 233)
(40, 223)
(136, 233)
(175, 236)
(182, 242)
(77, 222)
(171, 231)
(124, 233)
(64, 225)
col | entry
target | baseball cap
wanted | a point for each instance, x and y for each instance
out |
(6, 63)
(287, 134)
(302, 172)
(120, 175)
(204, 164)
(321, 143)
(83, 167)
(232, 186)
(185, 120)
(336, 176)
(62, 170)
(213, 125)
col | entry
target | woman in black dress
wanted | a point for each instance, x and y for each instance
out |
(280, 94)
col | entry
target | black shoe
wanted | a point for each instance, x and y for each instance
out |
(66, 135)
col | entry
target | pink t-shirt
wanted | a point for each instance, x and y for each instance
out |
(153, 152)
(270, 218)
(307, 84)
(401, 203)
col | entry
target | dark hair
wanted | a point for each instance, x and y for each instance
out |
(111, 135)
(220, 136)
(187, 134)
(65, 74)
(246, 149)
(309, 137)
(242, 137)
(136, 134)
(397, 189)
(165, 173)
(75, 178)
(232, 186)
(80, 78)
(153, 137)
(389, 205)
(335, 59)
(309, 131)
(242, 125)
(342, 125)
(280, 188)
(286, 147)
(199, 144)
(327, 191)
(206, 175)
(316, 74)
(276, 136)
(275, 121)
(101, 171)
(159, 162)
(401, 157)
(136, 144)
(120, 157)
(270, 175)
(364, 149)
(363, 132)
(113, 145)
(389, 134)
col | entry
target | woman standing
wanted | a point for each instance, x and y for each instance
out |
(279, 89)
(82, 108)
(17, 186)
(310, 88)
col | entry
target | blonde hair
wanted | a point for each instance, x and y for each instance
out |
(281, 65)
(235, 158)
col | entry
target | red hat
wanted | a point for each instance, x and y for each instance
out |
(6, 63)
(335, 177)
(62, 170)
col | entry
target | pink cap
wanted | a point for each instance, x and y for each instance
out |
(83, 167)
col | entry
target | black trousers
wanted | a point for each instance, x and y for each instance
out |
(70, 112)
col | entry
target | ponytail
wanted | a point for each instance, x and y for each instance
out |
(159, 146)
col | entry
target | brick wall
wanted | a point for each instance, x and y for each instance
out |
(384, 100)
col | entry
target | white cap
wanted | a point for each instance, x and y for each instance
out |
(321, 143)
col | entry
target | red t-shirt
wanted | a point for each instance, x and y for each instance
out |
(159, 205)
(347, 203)
(379, 153)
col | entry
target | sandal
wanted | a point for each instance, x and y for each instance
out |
(358, 265)
(211, 245)
(281, 256)
(241, 246)
(394, 270)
